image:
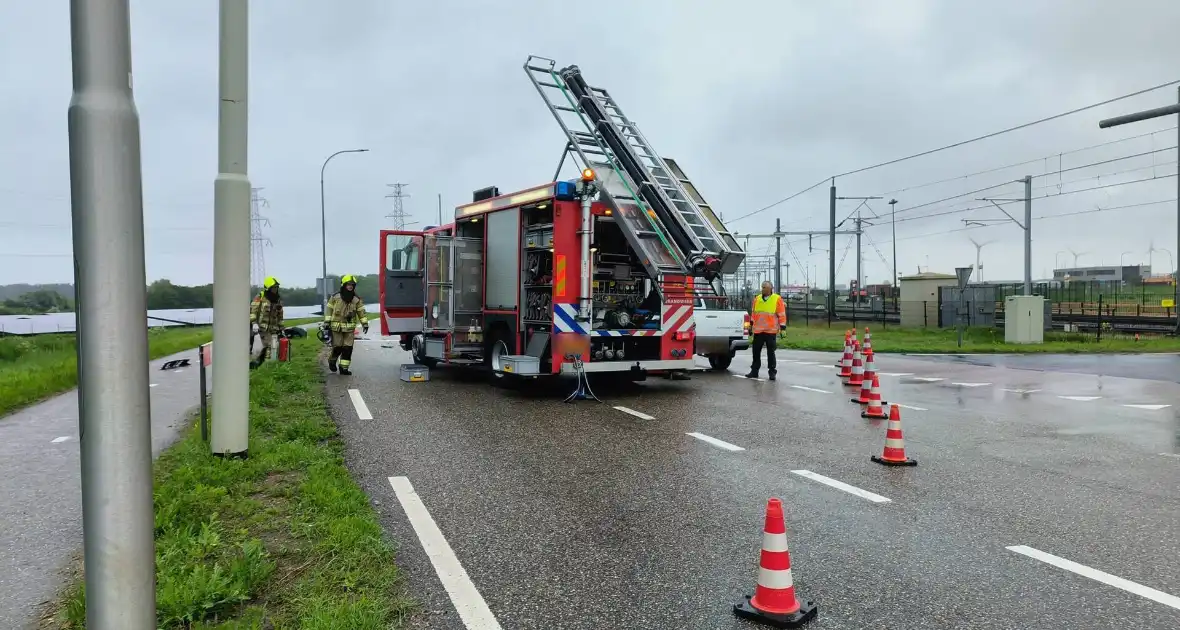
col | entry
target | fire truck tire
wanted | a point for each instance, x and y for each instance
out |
(417, 351)
(720, 362)
(498, 347)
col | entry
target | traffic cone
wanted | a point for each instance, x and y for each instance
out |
(846, 361)
(894, 453)
(774, 602)
(847, 347)
(868, 340)
(875, 410)
(870, 365)
(866, 385)
(858, 370)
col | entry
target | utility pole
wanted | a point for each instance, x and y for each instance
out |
(893, 220)
(778, 255)
(859, 230)
(231, 239)
(113, 405)
(832, 251)
(398, 216)
(859, 257)
(1026, 226)
(1148, 115)
(440, 222)
(257, 240)
(324, 288)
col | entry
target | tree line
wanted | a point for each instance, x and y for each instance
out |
(161, 294)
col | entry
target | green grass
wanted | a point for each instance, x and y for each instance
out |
(976, 340)
(283, 539)
(36, 367)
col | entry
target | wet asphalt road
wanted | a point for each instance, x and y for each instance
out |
(584, 516)
(1156, 367)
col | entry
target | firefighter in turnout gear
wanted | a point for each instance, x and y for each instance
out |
(266, 318)
(345, 310)
(768, 316)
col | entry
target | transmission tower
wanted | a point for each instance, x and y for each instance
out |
(398, 216)
(257, 240)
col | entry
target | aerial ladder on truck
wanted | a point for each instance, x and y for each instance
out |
(675, 233)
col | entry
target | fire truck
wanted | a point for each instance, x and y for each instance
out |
(592, 274)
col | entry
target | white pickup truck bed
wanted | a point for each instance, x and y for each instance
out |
(720, 334)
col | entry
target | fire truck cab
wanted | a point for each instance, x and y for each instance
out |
(598, 273)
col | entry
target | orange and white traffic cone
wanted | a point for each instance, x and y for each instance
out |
(858, 370)
(894, 453)
(774, 602)
(876, 409)
(846, 362)
(847, 347)
(868, 340)
(866, 385)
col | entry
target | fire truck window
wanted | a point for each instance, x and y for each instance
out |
(403, 252)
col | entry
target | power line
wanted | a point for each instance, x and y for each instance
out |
(398, 214)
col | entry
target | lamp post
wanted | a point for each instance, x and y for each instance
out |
(324, 227)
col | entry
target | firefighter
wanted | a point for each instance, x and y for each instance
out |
(266, 317)
(767, 317)
(345, 310)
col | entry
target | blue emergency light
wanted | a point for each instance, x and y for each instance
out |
(564, 191)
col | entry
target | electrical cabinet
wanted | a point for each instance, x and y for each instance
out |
(1024, 319)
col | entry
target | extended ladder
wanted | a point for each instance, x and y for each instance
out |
(658, 216)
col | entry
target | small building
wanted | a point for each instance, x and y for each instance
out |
(919, 297)
(1108, 273)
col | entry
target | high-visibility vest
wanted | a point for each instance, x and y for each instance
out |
(767, 314)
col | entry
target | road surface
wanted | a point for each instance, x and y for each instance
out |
(646, 511)
(41, 525)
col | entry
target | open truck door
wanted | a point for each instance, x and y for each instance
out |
(402, 283)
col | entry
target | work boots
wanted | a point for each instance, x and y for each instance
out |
(332, 364)
(345, 371)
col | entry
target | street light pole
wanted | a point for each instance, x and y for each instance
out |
(106, 191)
(893, 220)
(324, 227)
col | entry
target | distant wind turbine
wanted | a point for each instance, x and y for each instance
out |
(978, 248)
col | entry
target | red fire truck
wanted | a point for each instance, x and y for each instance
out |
(597, 273)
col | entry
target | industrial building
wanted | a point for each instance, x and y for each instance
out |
(1112, 273)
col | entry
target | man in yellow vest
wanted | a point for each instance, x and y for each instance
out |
(768, 317)
(345, 310)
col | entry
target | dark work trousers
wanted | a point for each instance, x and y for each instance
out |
(769, 340)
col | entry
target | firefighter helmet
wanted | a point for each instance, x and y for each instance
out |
(270, 281)
(348, 279)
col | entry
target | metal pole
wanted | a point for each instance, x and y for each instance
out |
(324, 229)
(778, 255)
(893, 220)
(1028, 235)
(859, 280)
(832, 251)
(440, 209)
(231, 239)
(113, 405)
(1175, 271)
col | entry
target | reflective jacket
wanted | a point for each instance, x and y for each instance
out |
(267, 314)
(767, 314)
(344, 316)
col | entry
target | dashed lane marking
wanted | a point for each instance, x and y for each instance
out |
(1020, 391)
(1099, 576)
(929, 379)
(637, 414)
(748, 378)
(840, 485)
(358, 403)
(715, 442)
(911, 407)
(807, 363)
(1170, 454)
(811, 389)
(971, 384)
(1148, 407)
(895, 373)
(153, 384)
(64, 438)
(470, 605)
(1080, 398)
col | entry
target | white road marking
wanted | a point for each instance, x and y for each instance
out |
(895, 373)
(808, 363)
(910, 407)
(971, 384)
(748, 378)
(153, 385)
(1148, 407)
(470, 605)
(362, 410)
(1020, 391)
(929, 379)
(715, 442)
(64, 438)
(1080, 398)
(811, 389)
(1170, 454)
(1099, 576)
(637, 414)
(840, 485)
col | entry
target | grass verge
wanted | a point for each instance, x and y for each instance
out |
(975, 340)
(37, 367)
(284, 539)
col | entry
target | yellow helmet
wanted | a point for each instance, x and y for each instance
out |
(347, 279)
(270, 281)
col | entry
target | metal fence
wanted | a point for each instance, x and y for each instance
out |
(1114, 294)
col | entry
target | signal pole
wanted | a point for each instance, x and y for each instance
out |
(398, 215)
(113, 404)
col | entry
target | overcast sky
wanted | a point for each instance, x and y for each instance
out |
(756, 100)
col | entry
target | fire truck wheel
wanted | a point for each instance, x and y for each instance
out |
(419, 354)
(720, 362)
